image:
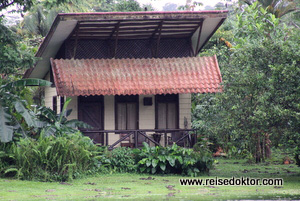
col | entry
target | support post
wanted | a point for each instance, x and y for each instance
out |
(106, 139)
(76, 41)
(166, 139)
(135, 139)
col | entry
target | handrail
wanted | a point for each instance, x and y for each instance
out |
(142, 132)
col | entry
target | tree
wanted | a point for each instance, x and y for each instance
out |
(277, 7)
(259, 105)
(25, 5)
(15, 56)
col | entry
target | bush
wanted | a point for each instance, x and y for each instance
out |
(174, 160)
(297, 156)
(120, 159)
(53, 158)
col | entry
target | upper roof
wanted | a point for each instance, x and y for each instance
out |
(86, 77)
(197, 25)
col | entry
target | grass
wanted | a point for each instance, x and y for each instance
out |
(145, 187)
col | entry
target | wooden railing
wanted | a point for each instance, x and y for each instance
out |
(185, 137)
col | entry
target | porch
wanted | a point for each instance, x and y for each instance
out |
(135, 138)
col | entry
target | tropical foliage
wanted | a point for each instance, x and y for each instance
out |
(14, 112)
(174, 160)
(259, 106)
(53, 158)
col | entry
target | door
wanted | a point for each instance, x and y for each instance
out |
(90, 111)
(126, 113)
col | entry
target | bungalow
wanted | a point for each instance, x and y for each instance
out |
(130, 75)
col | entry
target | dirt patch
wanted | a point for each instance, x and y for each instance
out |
(41, 196)
(148, 178)
(50, 190)
(171, 195)
(65, 183)
(89, 183)
(170, 187)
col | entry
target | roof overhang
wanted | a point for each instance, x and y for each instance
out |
(84, 77)
(198, 25)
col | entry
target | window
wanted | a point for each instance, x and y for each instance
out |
(62, 102)
(166, 115)
(54, 104)
(126, 111)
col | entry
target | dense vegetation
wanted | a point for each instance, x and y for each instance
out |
(65, 157)
(259, 107)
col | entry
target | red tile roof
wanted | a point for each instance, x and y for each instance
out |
(136, 76)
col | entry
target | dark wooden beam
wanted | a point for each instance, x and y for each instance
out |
(76, 42)
(192, 49)
(199, 36)
(141, 20)
(73, 31)
(159, 36)
(138, 37)
(132, 32)
(166, 27)
(196, 27)
(121, 28)
(123, 24)
(116, 29)
(116, 39)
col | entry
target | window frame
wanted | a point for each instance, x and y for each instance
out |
(126, 99)
(167, 98)
(54, 104)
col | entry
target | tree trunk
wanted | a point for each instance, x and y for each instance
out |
(258, 155)
(267, 146)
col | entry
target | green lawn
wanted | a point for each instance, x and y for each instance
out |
(140, 187)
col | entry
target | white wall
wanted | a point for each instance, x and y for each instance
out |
(49, 93)
(184, 109)
(109, 118)
(146, 113)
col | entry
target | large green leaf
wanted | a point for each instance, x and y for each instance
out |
(47, 112)
(30, 119)
(75, 123)
(26, 82)
(6, 131)
(162, 166)
(49, 131)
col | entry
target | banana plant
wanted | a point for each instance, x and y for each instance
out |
(58, 124)
(12, 105)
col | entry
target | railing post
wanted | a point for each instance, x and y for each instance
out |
(195, 140)
(166, 139)
(135, 139)
(106, 138)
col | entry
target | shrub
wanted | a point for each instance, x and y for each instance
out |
(297, 156)
(54, 158)
(174, 160)
(120, 159)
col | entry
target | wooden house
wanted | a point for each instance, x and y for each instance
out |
(130, 74)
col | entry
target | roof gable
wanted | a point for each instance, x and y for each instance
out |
(199, 26)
